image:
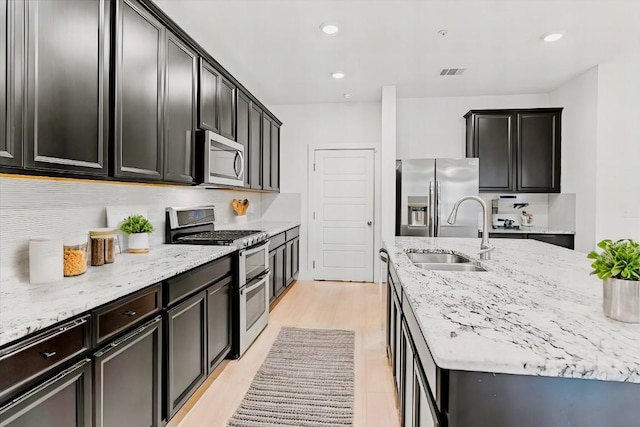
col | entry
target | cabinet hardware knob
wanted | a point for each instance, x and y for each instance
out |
(129, 313)
(369, 223)
(48, 354)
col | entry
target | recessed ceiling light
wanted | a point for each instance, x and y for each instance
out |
(347, 95)
(552, 37)
(329, 29)
(337, 75)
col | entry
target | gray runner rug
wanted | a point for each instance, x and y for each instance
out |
(305, 381)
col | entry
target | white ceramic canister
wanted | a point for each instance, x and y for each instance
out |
(45, 259)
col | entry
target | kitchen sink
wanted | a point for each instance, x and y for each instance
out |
(442, 262)
(448, 266)
(430, 257)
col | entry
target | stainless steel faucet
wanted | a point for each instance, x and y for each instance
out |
(485, 246)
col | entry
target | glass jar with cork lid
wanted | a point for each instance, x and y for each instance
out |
(102, 246)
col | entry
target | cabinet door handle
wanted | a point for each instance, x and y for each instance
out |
(129, 313)
(48, 354)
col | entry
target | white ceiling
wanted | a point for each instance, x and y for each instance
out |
(276, 49)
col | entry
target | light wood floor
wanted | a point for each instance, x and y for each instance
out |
(336, 305)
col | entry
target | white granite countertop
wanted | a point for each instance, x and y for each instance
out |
(271, 227)
(536, 311)
(530, 230)
(26, 308)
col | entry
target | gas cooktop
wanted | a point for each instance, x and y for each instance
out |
(240, 238)
(195, 226)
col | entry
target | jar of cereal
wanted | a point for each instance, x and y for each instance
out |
(75, 255)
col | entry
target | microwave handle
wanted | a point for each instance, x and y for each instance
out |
(239, 170)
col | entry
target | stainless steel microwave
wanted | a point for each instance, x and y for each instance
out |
(223, 160)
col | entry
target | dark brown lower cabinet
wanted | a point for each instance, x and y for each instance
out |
(186, 350)
(564, 240)
(219, 315)
(128, 380)
(272, 277)
(62, 401)
(407, 378)
(295, 258)
(396, 311)
(288, 270)
(279, 273)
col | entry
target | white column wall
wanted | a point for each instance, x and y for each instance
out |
(579, 97)
(618, 153)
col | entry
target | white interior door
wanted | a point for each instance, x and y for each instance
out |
(341, 201)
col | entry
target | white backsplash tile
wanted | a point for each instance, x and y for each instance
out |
(538, 206)
(35, 206)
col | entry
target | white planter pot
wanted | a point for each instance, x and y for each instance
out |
(138, 243)
(621, 300)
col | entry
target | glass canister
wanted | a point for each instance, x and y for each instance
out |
(103, 244)
(75, 255)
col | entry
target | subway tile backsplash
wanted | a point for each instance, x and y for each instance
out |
(538, 206)
(35, 206)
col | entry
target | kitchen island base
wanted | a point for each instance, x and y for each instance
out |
(482, 399)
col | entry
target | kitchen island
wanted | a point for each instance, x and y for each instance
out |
(524, 343)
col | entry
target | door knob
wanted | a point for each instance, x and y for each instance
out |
(369, 223)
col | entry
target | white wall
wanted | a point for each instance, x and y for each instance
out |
(318, 125)
(388, 162)
(435, 127)
(579, 97)
(618, 153)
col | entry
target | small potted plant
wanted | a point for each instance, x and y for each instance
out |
(619, 268)
(137, 228)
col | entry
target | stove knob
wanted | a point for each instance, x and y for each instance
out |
(265, 236)
(244, 242)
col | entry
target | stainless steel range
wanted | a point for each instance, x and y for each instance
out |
(195, 226)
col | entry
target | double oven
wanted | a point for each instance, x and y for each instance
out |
(253, 273)
(250, 305)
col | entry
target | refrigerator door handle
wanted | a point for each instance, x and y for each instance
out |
(438, 213)
(431, 203)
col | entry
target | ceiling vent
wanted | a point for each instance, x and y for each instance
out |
(452, 71)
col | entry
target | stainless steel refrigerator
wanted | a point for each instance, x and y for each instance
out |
(427, 189)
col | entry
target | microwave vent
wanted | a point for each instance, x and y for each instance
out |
(452, 71)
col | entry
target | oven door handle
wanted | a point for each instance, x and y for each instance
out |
(246, 252)
(257, 282)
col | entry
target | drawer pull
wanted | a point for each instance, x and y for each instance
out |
(48, 354)
(129, 313)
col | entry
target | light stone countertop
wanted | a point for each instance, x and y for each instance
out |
(536, 311)
(529, 230)
(26, 308)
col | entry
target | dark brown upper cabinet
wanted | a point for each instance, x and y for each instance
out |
(255, 148)
(180, 111)
(11, 78)
(538, 151)
(242, 131)
(490, 138)
(208, 106)
(217, 107)
(67, 85)
(266, 152)
(140, 53)
(519, 150)
(275, 156)
(227, 109)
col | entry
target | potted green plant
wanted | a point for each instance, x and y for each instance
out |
(137, 228)
(619, 268)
